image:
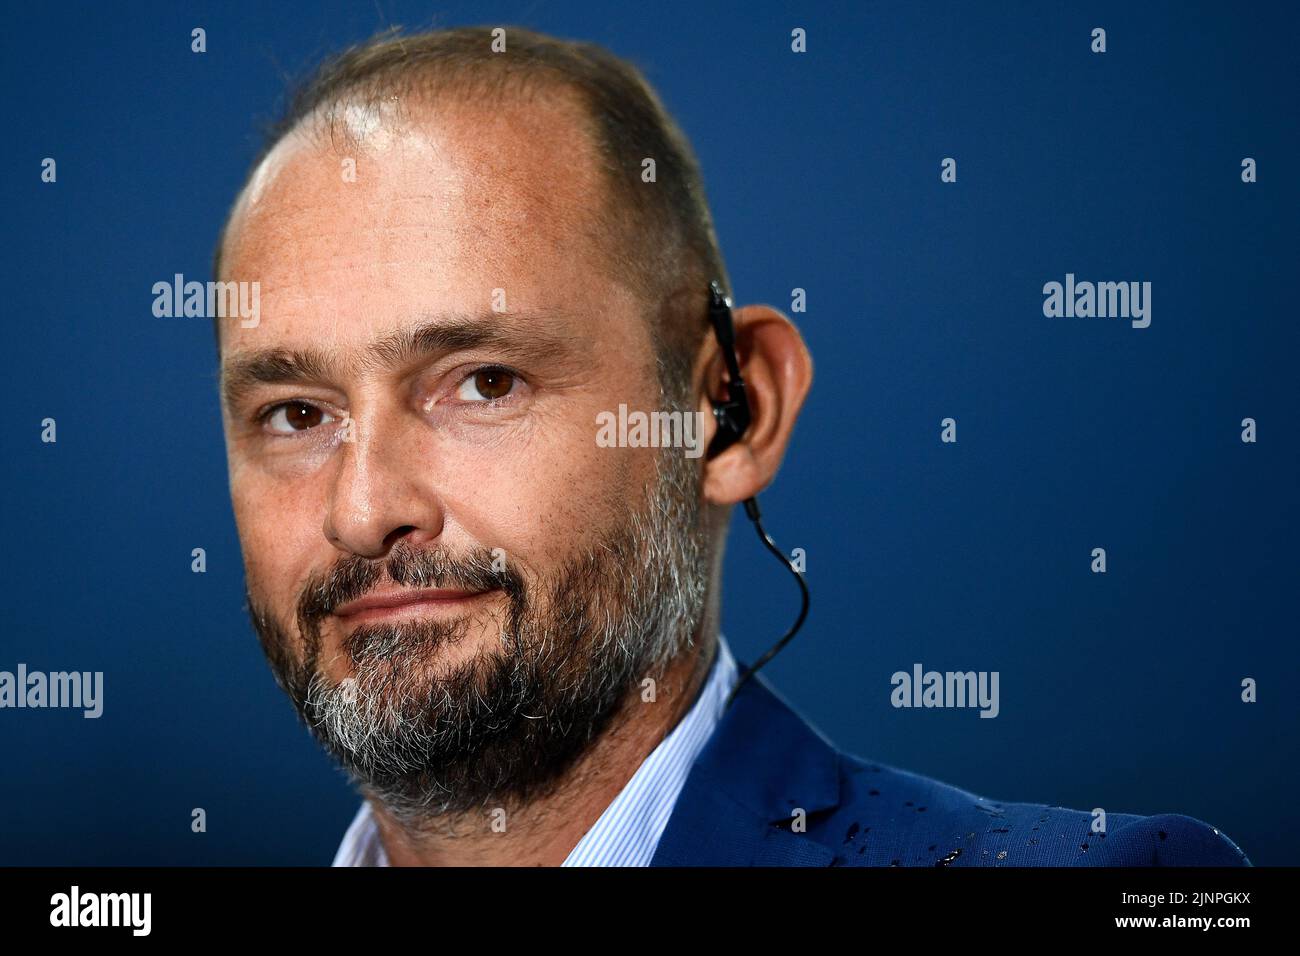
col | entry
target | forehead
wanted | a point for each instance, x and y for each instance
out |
(439, 208)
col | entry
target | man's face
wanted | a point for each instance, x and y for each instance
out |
(452, 580)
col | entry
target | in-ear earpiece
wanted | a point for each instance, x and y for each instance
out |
(732, 414)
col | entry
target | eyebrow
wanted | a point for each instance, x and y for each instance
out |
(517, 335)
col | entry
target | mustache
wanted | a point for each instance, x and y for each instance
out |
(352, 577)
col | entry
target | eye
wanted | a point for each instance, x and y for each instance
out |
(289, 417)
(486, 385)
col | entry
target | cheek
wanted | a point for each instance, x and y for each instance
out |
(280, 534)
(544, 497)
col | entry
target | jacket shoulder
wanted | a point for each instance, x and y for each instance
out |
(893, 817)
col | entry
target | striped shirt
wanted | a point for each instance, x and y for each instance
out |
(628, 832)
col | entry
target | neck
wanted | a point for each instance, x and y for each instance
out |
(545, 830)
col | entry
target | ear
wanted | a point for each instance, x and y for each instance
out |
(777, 370)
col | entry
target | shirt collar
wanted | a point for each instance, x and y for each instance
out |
(629, 830)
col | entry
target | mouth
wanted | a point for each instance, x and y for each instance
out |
(420, 603)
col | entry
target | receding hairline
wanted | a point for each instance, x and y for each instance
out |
(329, 128)
(659, 237)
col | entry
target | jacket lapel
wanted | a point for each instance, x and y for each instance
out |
(762, 762)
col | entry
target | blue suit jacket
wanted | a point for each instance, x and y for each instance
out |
(764, 761)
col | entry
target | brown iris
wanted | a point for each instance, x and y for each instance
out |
(493, 383)
(301, 416)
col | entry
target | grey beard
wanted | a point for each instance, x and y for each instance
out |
(503, 727)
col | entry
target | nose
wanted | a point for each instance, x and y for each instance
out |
(380, 492)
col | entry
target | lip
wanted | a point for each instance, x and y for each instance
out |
(405, 602)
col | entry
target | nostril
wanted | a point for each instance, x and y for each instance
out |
(397, 535)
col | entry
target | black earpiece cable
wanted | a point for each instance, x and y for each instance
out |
(751, 509)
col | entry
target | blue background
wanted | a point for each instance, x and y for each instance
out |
(1119, 691)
